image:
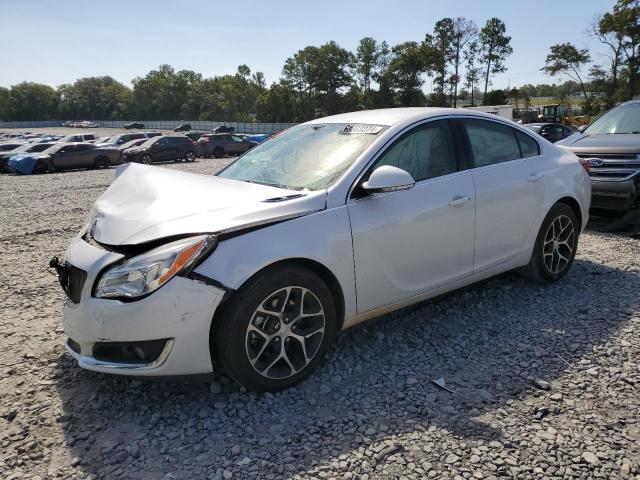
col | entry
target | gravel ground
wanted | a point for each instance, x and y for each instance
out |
(506, 347)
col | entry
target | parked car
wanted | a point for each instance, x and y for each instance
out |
(21, 150)
(222, 129)
(256, 269)
(123, 138)
(611, 147)
(185, 127)
(65, 156)
(553, 132)
(257, 138)
(78, 137)
(88, 124)
(8, 146)
(162, 149)
(134, 125)
(220, 144)
(195, 135)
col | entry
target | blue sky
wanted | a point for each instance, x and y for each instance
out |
(55, 42)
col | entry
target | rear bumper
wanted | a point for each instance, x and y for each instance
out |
(614, 196)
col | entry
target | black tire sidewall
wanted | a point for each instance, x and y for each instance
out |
(229, 339)
(537, 265)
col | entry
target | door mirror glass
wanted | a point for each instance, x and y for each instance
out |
(388, 179)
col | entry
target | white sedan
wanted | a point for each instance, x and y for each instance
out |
(253, 271)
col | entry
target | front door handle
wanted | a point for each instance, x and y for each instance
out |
(459, 200)
(534, 177)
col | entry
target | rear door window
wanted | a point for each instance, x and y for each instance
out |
(528, 146)
(491, 142)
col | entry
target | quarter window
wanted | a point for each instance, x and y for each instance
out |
(425, 152)
(491, 142)
(528, 146)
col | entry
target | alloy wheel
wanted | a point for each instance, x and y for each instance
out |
(559, 244)
(285, 332)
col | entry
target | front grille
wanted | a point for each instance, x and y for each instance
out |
(72, 280)
(612, 167)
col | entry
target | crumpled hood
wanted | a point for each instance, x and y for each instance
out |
(623, 143)
(145, 203)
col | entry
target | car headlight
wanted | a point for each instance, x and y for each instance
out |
(145, 273)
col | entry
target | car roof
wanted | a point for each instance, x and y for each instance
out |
(393, 116)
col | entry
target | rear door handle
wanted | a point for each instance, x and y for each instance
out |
(459, 200)
(534, 177)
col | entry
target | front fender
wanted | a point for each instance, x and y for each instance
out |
(323, 237)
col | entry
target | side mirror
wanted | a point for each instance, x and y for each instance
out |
(582, 128)
(388, 179)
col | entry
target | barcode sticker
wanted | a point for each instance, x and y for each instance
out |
(361, 128)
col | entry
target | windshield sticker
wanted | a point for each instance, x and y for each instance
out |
(360, 128)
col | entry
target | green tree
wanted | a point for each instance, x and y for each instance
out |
(332, 73)
(495, 47)
(464, 33)
(371, 59)
(565, 58)
(409, 62)
(32, 101)
(276, 104)
(98, 98)
(4, 103)
(442, 43)
(495, 97)
(623, 23)
(473, 69)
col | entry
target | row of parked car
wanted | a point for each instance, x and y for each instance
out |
(82, 124)
(21, 153)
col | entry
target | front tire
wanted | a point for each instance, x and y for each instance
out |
(555, 246)
(275, 330)
(101, 162)
(40, 168)
(146, 159)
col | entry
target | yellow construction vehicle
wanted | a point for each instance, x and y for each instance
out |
(559, 113)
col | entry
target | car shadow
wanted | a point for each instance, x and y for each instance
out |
(490, 342)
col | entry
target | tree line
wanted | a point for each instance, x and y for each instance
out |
(459, 58)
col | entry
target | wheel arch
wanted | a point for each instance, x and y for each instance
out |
(575, 206)
(325, 274)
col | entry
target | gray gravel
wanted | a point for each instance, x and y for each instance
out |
(546, 380)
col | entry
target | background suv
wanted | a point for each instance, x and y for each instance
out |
(611, 148)
(162, 149)
(221, 144)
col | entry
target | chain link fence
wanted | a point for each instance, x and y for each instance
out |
(239, 127)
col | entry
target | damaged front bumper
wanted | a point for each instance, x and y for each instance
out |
(164, 334)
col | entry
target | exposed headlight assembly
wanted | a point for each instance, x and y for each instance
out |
(145, 273)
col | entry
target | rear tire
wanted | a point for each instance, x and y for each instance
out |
(189, 157)
(218, 152)
(555, 246)
(274, 331)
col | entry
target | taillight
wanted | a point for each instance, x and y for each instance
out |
(585, 164)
